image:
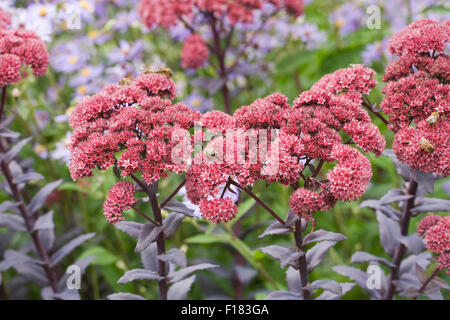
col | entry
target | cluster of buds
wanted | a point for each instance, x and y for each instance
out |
(418, 96)
(19, 48)
(435, 230)
(120, 198)
(136, 127)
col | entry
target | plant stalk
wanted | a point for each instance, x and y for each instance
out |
(301, 262)
(401, 249)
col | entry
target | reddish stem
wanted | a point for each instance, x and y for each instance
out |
(401, 249)
(173, 194)
(254, 196)
(427, 281)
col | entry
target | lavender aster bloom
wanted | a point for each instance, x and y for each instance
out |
(126, 52)
(179, 32)
(29, 20)
(85, 75)
(347, 18)
(41, 151)
(42, 118)
(68, 57)
(125, 20)
(62, 152)
(197, 102)
(309, 34)
(375, 51)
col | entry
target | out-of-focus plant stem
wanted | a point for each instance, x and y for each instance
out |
(223, 72)
(401, 248)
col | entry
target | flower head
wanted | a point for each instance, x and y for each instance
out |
(120, 198)
(218, 210)
(19, 48)
(195, 52)
(304, 203)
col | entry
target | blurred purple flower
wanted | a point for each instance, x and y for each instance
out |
(42, 118)
(347, 18)
(309, 34)
(376, 51)
(68, 57)
(197, 102)
(179, 32)
(62, 152)
(126, 52)
(41, 151)
(125, 20)
(85, 75)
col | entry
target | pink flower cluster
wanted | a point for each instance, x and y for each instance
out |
(195, 52)
(134, 126)
(120, 198)
(18, 48)
(436, 232)
(130, 125)
(308, 130)
(418, 96)
(166, 12)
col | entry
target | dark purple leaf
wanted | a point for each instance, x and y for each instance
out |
(316, 254)
(361, 256)
(283, 295)
(139, 274)
(14, 151)
(178, 207)
(276, 228)
(345, 287)
(413, 243)
(69, 247)
(286, 256)
(431, 205)
(175, 256)
(329, 285)
(149, 258)
(44, 222)
(425, 180)
(182, 273)
(180, 289)
(244, 274)
(12, 222)
(293, 280)
(125, 296)
(323, 235)
(171, 224)
(41, 197)
(389, 233)
(394, 195)
(149, 233)
(29, 176)
(132, 228)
